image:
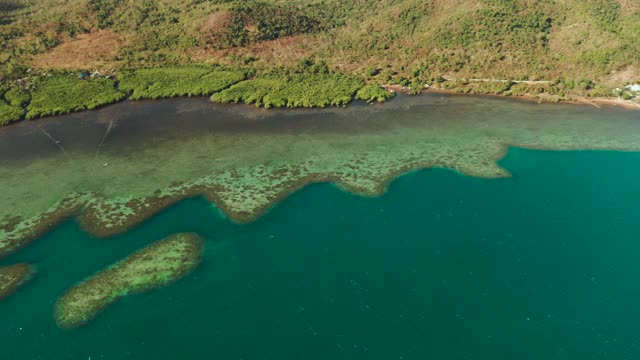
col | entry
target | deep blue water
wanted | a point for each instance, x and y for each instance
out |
(544, 265)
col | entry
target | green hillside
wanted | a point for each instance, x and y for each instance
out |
(582, 47)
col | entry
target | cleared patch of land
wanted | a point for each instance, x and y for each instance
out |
(95, 50)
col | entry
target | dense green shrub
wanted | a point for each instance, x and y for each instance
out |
(61, 94)
(371, 93)
(252, 92)
(606, 13)
(507, 23)
(9, 113)
(402, 81)
(17, 97)
(372, 70)
(271, 21)
(415, 88)
(293, 90)
(104, 10)
(165, 82)
(3, 89)
(438, 79)
(507, 86)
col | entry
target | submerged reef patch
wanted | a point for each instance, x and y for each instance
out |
(16, 233)
(154, 266)
(13, 277)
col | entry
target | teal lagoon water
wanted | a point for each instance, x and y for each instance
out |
(543, 265)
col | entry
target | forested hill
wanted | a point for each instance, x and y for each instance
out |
(586, 41)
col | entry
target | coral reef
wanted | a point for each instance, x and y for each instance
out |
(156, 265)
(12, 277)
(245, 171)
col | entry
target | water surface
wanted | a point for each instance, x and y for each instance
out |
(543, 264)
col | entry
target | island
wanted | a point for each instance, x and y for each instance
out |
(154, 266)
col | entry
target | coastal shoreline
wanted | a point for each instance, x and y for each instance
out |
(596, 101)
(41, 96)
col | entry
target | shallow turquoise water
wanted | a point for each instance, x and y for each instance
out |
(544, 265)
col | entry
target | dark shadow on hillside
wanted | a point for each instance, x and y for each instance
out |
(7, 7)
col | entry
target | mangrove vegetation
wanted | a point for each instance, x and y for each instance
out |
(8, 112)
(293, 90)
(311, 84)
(62, 94)
(372, 93)
(167, 82)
